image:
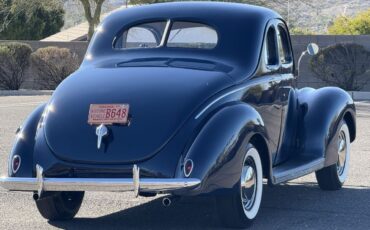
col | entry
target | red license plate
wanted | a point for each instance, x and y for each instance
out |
(108, 114)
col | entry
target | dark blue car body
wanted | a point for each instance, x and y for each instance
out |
(187, 103)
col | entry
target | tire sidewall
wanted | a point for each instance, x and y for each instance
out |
(344, 128)
(53, 207)
(252, 152)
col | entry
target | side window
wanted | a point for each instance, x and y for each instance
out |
(147, 35)
(272, 57)
(284, 46)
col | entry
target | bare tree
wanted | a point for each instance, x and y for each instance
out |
(53, 65)
(343, 65)
(14, 60)
(92, 9)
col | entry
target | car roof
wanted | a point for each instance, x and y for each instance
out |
(240, 29)
(202, 9)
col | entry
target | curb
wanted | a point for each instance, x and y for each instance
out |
(26, 92)
(359, 95)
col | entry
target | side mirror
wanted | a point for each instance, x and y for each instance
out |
(312, 49)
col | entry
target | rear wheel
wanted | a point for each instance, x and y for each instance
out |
(333, 176)
(60, 206)
(241, 207)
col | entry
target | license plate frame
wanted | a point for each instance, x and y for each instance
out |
(108, 114)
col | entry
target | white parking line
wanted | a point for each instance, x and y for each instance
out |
(363, 114)
(21, 104)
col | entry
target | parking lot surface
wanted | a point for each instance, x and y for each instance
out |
(299, 204)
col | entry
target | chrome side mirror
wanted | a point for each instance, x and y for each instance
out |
(312, 49)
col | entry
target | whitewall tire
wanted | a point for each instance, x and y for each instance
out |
(241, 207)
(334, 176)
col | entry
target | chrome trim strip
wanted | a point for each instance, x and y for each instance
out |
(216, 100)
(41, 184)
(251, 83)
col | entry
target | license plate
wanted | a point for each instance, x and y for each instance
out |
(108, 114)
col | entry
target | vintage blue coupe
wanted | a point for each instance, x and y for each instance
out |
(185, 99)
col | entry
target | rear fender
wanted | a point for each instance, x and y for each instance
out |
(24, 144)
(322, 110)
(217, 151)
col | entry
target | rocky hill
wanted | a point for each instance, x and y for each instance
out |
(308, 15)
(317, 15)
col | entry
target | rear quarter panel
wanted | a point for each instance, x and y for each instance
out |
(217, 151)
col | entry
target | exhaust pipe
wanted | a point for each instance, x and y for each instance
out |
(35, 197)
(166, 202)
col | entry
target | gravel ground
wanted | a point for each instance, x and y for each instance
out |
(299, 204)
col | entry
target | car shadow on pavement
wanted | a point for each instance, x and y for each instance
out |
(290, 206)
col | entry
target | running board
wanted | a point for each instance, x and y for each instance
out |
(296, 168)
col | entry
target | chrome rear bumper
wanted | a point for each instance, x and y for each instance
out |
(135, 184)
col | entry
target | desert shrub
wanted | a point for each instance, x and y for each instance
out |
(14, 61)
(343, 65)
(53, 65)
(300, 31)
(360, 24)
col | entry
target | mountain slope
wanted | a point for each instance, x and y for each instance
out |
(310, 15)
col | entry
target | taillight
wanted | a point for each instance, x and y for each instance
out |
(16, 163)
(188, 167)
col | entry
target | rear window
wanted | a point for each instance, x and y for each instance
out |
(192, 35)
(180, 35)
(146, 35)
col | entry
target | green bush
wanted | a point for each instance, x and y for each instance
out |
(14, 60)
(343, 65)
(360, 24)
(30, 19)
(53, 65)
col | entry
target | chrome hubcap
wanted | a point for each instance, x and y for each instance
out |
(248, 184)
(342, 153)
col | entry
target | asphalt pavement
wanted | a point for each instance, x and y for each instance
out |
(299, 204)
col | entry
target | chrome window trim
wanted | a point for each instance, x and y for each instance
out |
(165, 36)
(165, 33)
(276, 66)
(287, 64)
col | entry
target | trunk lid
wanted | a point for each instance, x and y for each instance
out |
(160, 100)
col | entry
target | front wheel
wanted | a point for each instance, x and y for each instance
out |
(241, 207)
(333, 176)
(60, 206)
